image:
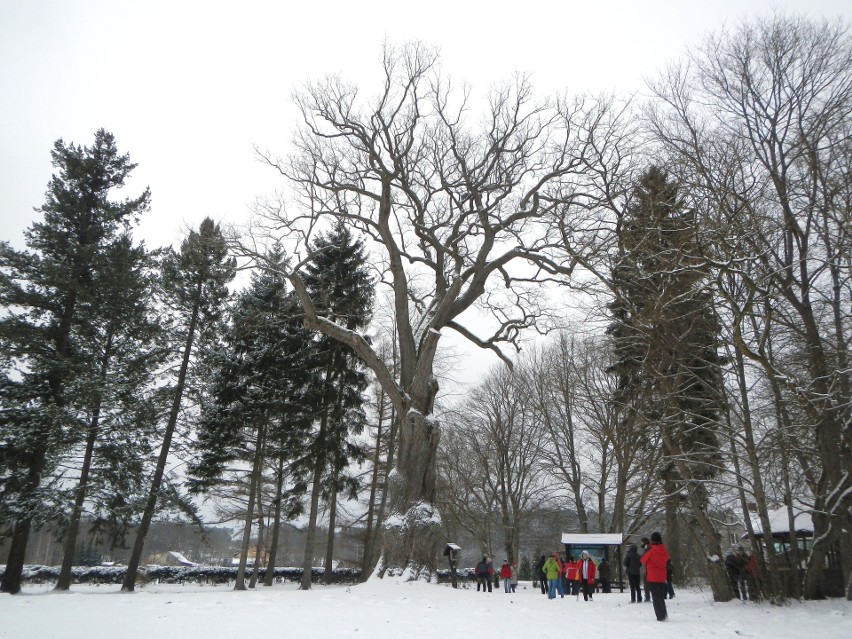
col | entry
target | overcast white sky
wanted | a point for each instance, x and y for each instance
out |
(189, 87)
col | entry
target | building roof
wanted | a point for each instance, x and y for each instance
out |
(779, 522)
(603, 539)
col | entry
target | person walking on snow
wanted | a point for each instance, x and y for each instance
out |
(586, 575)
(655, 559)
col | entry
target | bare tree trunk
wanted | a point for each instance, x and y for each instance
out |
(261, 539)
(328, 575)
(367, 558)
(413, 535)
(269, 577)
(310, 537)
(240, 583)
(129, 583)
(63, 582)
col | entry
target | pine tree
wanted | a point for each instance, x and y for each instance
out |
(46, 373)
(195, 283)
(665, 341)
(260, 409)
(339, 283)
(122, 339)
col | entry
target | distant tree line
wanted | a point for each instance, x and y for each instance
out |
(700, 238)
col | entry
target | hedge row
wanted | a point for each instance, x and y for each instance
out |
(196, 574)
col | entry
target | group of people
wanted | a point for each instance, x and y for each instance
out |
(633, 568)
(572, 577)
(583, 576)
(654, 558)
(485, 575)
(741, 568)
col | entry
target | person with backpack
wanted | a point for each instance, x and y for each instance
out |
(483, 575)
(570, 572)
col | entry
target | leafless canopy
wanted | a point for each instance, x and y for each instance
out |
(462, 213)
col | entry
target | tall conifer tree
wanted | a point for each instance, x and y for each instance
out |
(261, 409)
(195, 282)
(43, 290)
(665, 342)
(339, 283)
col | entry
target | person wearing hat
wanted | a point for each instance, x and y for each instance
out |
(655, 559)
(586, 575)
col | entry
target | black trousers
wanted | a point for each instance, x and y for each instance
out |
(635, 588)
(658, 598)
(588, 589)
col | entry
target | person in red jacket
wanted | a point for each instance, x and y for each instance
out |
(654, 559)
(506, 576)
(570, 572)
(586, 575)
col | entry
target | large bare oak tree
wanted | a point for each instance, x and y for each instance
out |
(462, 210)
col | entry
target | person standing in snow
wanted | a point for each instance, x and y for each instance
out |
(654, 559)
(586, 570)
(669, 580)
(483, 575)
(646, 543)
(539, 574)
(506, 576)
(570, 573)
(603, 575)
(553, 572)
(633, 567)
(735, 563)
(514, 583)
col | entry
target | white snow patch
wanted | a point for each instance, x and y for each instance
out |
(389, 608)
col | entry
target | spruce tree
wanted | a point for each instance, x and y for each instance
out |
(122, 340)
(340, 286)
(665, 343)
(260, 410)
(195, 285)
(42, 290)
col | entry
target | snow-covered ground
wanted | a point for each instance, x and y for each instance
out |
(387, 609)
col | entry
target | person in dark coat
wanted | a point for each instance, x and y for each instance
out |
(655, 559)
(669, 580)
(646, 543)
(539, 574)
(735, 564)
(633, 567)
(603, 575)
(484, 572)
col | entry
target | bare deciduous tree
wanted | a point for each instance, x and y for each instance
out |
(461, 215)
(759, 126)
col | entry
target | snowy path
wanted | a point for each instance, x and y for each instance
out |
(383, 610)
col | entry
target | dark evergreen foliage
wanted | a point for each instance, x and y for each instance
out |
(665, 331)
(195, 289)
(49, 293)
(263, 374)
(340, 286)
